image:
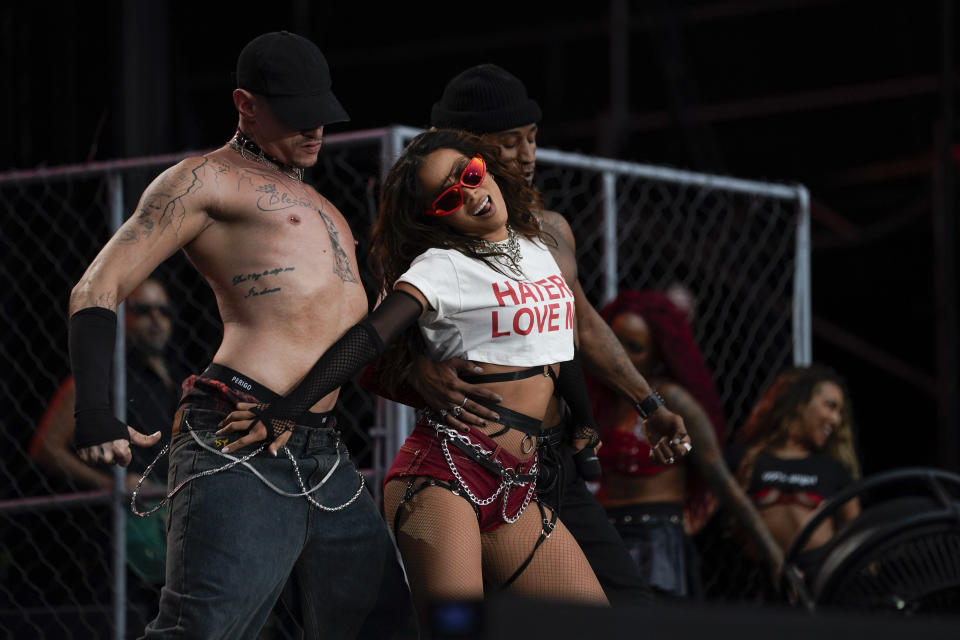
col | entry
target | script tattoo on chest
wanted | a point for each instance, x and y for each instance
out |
(341, 263)
(253, 291)
(275, 193)
(163, 205)
(245, 277)
(276, 199)
(273, 272)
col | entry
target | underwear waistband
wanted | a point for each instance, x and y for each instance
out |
(239, 382)
(232, 386)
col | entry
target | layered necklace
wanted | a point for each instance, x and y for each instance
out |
(250, 150)
(505, 252)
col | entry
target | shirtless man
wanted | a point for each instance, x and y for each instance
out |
(491, 102)
(280, 259)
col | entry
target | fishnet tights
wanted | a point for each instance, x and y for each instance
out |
(446, 556)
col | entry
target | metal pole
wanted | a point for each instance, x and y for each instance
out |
(802, 324)
(119, 538)
(945, 247)
(611, 278)
(397, 419)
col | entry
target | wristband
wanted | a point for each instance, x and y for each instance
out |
(648, 405)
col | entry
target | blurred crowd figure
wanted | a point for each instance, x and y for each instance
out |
(152, 391)
(795, 451)
(654, 506)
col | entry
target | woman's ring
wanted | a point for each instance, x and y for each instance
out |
(464, 403)
(457, 410)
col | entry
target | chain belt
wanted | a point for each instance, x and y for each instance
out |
(234, 461)
(508, 477)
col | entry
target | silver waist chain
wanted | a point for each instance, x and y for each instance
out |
(234, 461)
(507, 476)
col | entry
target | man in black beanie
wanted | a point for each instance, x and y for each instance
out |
(490, 102)
(282, 503)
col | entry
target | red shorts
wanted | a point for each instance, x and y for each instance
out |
(422, 455)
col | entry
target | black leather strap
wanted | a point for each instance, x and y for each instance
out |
(509, 376)
(490, 465)
(648, 405)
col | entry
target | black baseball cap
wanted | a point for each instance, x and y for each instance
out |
(484, 99)
(292, 74)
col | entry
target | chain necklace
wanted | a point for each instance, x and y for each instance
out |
(241, 143)
(505, 252)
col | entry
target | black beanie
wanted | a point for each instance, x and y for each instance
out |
(484, 99)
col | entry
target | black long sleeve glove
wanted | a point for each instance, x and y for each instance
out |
(573, 389)
(359, 346)
(93, 334)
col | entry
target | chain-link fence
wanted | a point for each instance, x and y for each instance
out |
(738, 246)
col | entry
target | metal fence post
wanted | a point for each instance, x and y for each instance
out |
(119, 537)
(802, 320)
(397, 419)
(610, 274)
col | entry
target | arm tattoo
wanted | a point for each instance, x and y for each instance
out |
(107, 301)
(164, 205)
(341, 263)
(707, 454)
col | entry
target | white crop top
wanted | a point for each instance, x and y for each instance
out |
(479, 314)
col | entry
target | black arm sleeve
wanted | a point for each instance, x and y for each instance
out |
(93, 334)
(360, 345)
(573, 389)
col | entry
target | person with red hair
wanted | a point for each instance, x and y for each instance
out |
(652, 505)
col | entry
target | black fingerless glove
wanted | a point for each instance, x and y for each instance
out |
(93, 334)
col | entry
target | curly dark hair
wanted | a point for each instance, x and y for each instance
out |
(768, 424)
(404, 230)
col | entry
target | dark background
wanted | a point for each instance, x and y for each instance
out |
(846, 97)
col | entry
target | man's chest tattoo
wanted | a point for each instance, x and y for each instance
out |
(275, 193)
(269, 275)
(341, 263)
(274, 198)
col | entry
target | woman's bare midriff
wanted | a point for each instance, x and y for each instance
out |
(532, 396)
(786, 520)
(666, 486)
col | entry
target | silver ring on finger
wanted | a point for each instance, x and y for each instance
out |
(457, 410)
(464, 403)
(671, 460)
(442, 412)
